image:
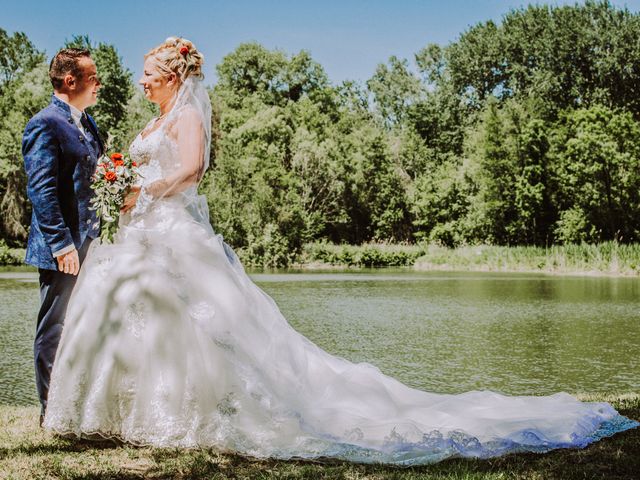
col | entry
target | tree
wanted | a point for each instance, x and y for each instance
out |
(374, 196)
(511, 150)
(24, 89)
(596, 155)
(17, 56)
(394, 89)
(571, 56)
(251, 69)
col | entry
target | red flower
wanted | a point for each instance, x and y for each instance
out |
(110, 176)
(116, 156)
(184, 51)
(134, 164)
(118, 163)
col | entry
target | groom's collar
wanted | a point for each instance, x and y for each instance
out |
(67, 107)
(60, 104)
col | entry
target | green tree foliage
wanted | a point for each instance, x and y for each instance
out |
(297, 159)
(17, 56)
(495, 118)
(394, 89)
(596, 155)
(570, 56)
(24, 89)
(252, 71)
(512, 201)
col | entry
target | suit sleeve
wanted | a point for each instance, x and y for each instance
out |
(41, 159)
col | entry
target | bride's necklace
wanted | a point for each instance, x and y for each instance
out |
(155, 122)
(150, 129)
(165, 113)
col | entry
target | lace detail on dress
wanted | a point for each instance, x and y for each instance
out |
(135, 319)
(156, 156)
(143, 202)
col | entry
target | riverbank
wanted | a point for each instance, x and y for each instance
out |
(604, 259)
(610, 258)
(27, 452)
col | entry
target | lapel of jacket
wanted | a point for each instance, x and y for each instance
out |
(96, 134)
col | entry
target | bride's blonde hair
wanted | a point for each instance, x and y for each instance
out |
(178, 55)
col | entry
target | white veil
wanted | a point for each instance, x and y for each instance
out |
(192, 93)
(191, 98)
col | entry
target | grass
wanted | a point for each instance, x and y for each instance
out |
(27, 452)
(319, 254)
(608, 258)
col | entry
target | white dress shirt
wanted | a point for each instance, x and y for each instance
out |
(77, 115)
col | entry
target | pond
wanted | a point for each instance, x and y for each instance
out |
(442, 332)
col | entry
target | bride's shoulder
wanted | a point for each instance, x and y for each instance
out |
(188, 113)
(186, 117)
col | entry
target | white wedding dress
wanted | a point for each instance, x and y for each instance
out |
(168, 342)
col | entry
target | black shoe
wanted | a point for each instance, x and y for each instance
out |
(41, 419)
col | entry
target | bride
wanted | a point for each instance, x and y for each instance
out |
(168, 342)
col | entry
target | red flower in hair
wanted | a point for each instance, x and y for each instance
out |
(184, 50)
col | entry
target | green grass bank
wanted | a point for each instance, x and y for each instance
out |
(608, 258)
(27, 452)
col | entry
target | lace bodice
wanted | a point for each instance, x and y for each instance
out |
(156, 155)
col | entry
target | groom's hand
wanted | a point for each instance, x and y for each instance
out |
(69, 262)
(131, 198)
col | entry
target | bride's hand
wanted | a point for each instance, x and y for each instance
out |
(131, 198)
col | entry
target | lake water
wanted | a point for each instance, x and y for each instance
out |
(442, 332)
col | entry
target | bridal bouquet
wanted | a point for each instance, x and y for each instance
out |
(114, 175)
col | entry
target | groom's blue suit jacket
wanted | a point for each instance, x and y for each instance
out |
(59, 162)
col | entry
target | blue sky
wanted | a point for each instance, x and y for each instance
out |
(348, 37)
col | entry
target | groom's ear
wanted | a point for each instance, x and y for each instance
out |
(70, 82)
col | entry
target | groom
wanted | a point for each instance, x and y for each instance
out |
(61, 147)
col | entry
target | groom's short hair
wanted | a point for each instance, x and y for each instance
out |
(65, 62)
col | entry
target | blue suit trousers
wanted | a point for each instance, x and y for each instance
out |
(55, 291)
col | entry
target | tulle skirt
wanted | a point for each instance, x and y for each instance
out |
(168, 342)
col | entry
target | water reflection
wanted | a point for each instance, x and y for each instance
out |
(523, 334)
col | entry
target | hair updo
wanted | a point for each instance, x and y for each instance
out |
(178, 55)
